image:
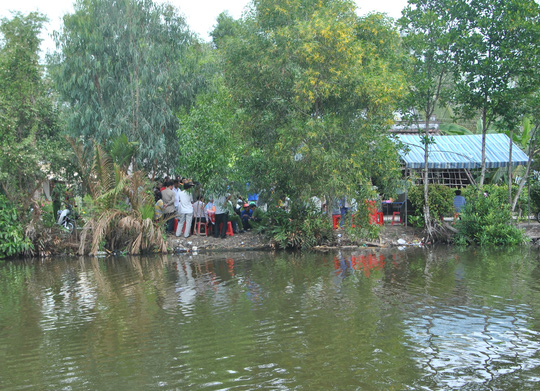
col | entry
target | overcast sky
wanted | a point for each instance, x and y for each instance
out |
(200, 14)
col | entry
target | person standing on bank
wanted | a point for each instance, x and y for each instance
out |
(169, 211)
(221, 215)
(185, 210)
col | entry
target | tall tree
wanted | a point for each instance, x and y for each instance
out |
(494, 44)
(121, 70)
(212, 147)
(426, 26)
(317, 92)
(29, 122)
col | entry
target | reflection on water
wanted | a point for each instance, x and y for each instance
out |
(441, 319)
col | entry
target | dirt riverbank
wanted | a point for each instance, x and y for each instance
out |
(391, 236)
(251, 241)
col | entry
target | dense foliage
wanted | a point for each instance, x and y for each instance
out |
(30, 147)
(12, 238)
(440, 203)
(499, 192)
(212, 149)
(125, 67)
(316, 87)
(534, 195)
(487, 220)
(301, 227)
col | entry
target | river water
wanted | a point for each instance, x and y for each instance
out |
(397, 320)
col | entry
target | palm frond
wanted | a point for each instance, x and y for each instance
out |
(123, 151)
(124, 210)
(102, 172)
(103, 227)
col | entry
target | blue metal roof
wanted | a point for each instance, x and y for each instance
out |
(461, 151)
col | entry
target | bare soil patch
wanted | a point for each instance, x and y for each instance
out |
(396, 235)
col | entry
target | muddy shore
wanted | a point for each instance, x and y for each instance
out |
(391, 236)
(252, 241)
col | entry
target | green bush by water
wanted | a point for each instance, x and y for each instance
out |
(500, 193)
(440, 203)
(12, 239)
(487, 220)
(300, 228)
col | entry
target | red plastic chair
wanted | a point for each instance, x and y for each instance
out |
(229, 228)
(380, 218)
(200, 228)
(335, 221)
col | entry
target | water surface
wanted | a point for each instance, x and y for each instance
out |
(431, 320)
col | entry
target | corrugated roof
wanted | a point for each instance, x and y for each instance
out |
(461, 152)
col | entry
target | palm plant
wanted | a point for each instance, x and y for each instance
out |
(123, 207)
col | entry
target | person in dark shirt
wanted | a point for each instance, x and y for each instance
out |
(459, 203)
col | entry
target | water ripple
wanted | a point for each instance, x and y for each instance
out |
(468, 345)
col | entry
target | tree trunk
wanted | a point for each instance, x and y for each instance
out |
(484, 131)
(532, 146)
(427, 217)
(510, 168)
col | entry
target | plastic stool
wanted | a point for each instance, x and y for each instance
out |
(380, 218)
(335, 221)
(229, 228)
(198, 228)
(394, 216)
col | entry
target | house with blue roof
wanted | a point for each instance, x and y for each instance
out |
(454, 160)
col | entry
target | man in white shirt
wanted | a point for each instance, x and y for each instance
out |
(169, 212)
(185, 211)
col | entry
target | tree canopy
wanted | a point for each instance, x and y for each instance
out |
(495, 54)
(121, 70)
(317, 86)
(29, 121)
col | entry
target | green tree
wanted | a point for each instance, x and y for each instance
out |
(226, 27)
(317, 90)
(494, 45)
(29, 121)
(125, 67)
(211, 146)
(426, 27)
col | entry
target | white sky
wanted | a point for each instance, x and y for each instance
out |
(200, 14)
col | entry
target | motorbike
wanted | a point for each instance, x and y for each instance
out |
(65, 219)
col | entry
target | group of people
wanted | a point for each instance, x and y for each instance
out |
(175, 201)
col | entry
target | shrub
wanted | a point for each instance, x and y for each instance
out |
(12, 238)
(535, 195)
(362, 227)
(440, 203)
(488, 220)
(500, 193)
(300, 228)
